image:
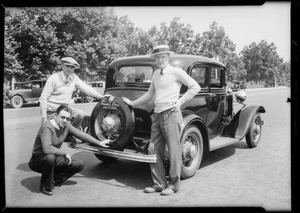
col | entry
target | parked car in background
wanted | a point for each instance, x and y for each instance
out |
(80, 97)
(238, 85)
(211, 120)
(24, 92)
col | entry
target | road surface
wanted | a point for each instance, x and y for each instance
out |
(234, 176)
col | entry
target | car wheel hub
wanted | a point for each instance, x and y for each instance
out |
(256, 131)
(189, 152)
(111, 125)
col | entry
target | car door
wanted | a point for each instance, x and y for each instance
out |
(199, 104)
(37, 88)
(217, 101)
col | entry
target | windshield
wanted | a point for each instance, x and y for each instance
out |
(133, 74)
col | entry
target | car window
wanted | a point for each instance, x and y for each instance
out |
(37, 84)
(215, 77)
(198, 73)
(26, 85)
(133, 74)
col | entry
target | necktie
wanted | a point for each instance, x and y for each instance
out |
(161, 71)
(67, 79)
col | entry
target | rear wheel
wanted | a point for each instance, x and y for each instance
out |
(17, 101)
(192, 151)
(254, 134)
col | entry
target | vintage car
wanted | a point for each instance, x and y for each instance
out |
(213, 119)
(238, 85)
(24, 92)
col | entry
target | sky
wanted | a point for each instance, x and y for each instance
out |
(242, 24)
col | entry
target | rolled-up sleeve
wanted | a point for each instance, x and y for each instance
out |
(46, 94)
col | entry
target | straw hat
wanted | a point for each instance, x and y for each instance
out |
(160, 49)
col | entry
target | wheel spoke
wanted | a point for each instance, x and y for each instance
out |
(189, 151)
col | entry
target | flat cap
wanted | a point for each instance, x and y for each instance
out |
(70, 61)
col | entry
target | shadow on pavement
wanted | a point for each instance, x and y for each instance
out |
(221, 154)
(217, 155)
(32, 183)
(24, 167)
(127, 173)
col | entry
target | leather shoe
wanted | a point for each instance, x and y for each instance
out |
(153, 189)
(167, 192)
(45, 191)
(58, 180)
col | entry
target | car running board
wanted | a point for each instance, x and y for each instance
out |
(126, 154)
(219, 142)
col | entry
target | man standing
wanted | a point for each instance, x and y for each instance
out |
(166, 119)
(59, 89)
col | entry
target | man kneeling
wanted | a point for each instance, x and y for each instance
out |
(47, 158)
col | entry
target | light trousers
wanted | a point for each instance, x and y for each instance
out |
(165, 131)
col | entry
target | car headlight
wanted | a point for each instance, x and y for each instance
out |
(240, 96)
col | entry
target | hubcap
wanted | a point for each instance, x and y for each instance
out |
(108, 124)
(189, 151)
(256, 130)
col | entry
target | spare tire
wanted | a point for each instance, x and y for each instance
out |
(113, 119)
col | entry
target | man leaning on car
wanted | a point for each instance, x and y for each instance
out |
(166, 119)
(59, 89)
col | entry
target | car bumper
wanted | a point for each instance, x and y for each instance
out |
(125, 154)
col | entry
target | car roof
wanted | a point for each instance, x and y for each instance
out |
(179, 60)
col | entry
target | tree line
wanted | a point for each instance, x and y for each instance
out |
(36, 38)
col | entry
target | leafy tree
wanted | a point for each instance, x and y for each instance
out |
(284, 73)
(12, 66)
(178, 36)
(235, 67)
(215, 44)
(36, 39)
(261, 62)
(94, 36)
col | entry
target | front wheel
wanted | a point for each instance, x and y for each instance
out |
(17, 101)
(254, 134)
(192, 151)
(77, 98)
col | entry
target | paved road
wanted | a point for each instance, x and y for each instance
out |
(232, 176)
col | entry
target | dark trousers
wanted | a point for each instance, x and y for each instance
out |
(54, 168)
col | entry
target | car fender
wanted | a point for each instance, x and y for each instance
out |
(246, 115)
(190, 118)
(17, 94)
